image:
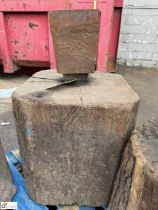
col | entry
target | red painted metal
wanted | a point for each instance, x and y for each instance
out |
(112, 55)
(119, 3)
(115, 31)
(5, 48)
(25, 38)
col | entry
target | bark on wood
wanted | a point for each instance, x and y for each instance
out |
(7, 189)
(136, 184)
(71, 137)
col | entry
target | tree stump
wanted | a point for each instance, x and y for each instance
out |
(7, 189)
(136, 184)
(71, 136)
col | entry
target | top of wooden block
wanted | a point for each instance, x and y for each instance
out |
(102, 89)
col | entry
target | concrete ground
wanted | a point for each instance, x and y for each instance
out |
(8, 133)
(145, 83)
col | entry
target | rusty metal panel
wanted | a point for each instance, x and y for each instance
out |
(28, 38)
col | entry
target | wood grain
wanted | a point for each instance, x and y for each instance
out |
(75, 36)
(71, 138)
(136, 185)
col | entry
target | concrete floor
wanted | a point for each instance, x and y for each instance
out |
(145, 83)
(8, 133)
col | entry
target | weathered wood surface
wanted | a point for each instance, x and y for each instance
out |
(75, 36)
(7, 189)
(136, 185)
(71, 137)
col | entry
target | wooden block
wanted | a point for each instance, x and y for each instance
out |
(75, 38)
(71, 137)
(136, 184)
(7, 189)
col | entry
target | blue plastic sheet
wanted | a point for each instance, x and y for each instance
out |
(21, 196)
(7, 93)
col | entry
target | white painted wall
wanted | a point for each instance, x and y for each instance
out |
(138, 44)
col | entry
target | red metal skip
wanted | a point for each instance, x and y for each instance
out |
(25, 38)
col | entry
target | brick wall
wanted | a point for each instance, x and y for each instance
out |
(138, 44)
